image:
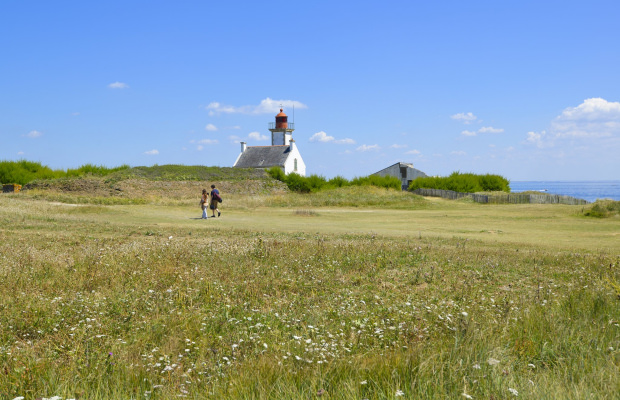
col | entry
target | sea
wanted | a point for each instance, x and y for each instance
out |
(587, 190)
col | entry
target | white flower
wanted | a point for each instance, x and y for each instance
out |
(467, 396)
(476, 366)
(265, 345)
(19, 398)
(399, 393)
(363, 382)
(531, 365)
(464, 314)
(493, 361)
(513, 391)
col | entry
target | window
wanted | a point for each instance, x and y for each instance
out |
(295, 167)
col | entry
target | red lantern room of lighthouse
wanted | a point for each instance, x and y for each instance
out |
(281, 130)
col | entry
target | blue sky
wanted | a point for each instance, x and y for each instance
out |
(526, 89)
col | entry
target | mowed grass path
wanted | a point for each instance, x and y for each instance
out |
(553, 226)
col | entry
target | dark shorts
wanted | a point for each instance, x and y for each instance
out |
(213, 205)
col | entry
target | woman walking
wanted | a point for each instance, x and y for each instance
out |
(204, 203)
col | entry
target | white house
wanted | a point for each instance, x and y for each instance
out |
(282, 153)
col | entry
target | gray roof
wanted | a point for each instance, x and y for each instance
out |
(263, 156)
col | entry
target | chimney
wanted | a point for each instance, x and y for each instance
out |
(243, 147)
(292, 144)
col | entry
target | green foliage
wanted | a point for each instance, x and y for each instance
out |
(463, 182)
(95, 170)
(23, 171)
(388, 182)
(315, 183)
(604, 209)
(172, 172)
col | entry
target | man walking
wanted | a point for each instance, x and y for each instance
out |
(215, 200)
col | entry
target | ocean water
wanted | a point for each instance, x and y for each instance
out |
(587, 190)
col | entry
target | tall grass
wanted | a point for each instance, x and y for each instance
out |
(108, 311)
(463, 182)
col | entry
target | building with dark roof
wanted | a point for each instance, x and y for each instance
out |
(282, 153)
(403, 171)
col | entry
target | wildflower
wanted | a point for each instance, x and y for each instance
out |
(363, 382)
(476, 366)
(464, 314)
(493, 361)
(513, 391)
(399, 393)
(467, 396)
(531, 365)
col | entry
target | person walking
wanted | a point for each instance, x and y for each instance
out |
(204, 203)
(215, 200)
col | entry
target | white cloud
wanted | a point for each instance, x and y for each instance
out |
(20, 153)
(208, 141)
(458, 153)
(414, 152)
(398, 146)
(118, 85)
(266, 106)
(325, 138)
(366, 147)
(484, 129)
(199, 147)
(538, 139)
(153, 152)
(257, 136)
(490, 129)
(594, 118)
(211, 128)
(321, 137)
(466, 118)
(33, 134)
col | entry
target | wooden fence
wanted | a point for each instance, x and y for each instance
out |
(508, 198)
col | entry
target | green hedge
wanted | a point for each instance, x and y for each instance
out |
(463, 182)
(23, 171)
(315, 183)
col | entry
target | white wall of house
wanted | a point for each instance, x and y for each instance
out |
(294, 162)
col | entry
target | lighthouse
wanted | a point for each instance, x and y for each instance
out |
(281, 130)
(282, 153)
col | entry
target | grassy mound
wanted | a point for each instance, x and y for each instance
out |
(165, 184)
(604, 209)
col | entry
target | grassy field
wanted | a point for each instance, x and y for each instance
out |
(360, 294)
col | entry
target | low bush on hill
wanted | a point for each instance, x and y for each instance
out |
(463, 182)
(315, 183)
(604, 209)
(23, 171)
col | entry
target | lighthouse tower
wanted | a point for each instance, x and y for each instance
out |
(282, 153)
(281, 130)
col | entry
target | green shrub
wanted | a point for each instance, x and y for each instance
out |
(388, 182)
(463, 182)
(315, 183)
(604, 209)
(23, 171)
(337, 182)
